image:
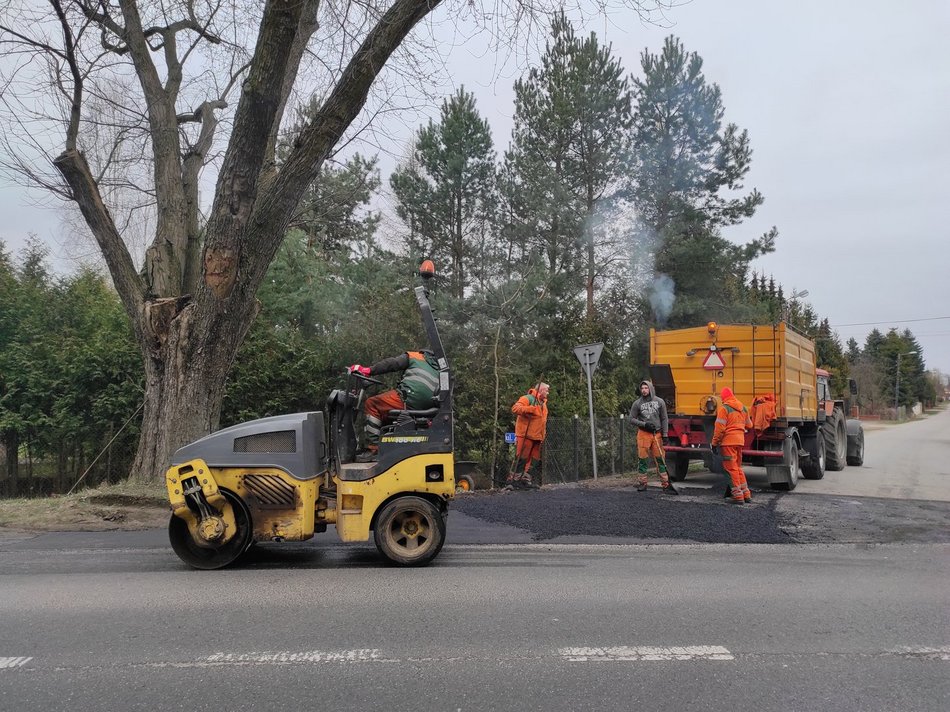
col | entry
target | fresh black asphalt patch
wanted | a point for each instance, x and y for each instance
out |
(702, 515)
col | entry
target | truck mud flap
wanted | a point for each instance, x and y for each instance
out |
(779, 476)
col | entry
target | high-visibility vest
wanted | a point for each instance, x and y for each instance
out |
(420, 382)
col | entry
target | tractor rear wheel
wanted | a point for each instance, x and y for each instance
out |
(204, 557)
(836, 440)
(410, 531)
(814, 467)
(464, 483)
(856, 449)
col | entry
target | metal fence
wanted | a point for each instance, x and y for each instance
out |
(566, 453)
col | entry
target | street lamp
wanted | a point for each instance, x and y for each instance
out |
(897, 384)
(795, 295)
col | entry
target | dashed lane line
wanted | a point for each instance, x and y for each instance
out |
(627, 653)
(14, 662)
(942, 653)
(361, 655)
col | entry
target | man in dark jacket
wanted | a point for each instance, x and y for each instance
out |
(648, 413)
(417, 390)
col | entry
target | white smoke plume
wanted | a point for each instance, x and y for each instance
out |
(662, 296)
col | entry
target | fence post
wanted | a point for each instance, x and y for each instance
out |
(613, 441)
(577, 464)
(623, 423)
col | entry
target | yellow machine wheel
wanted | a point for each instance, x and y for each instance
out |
(410, 531)
(204, 557)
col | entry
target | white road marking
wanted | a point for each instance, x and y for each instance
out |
(626, 653)
(924, 652)
(14, 662)
(286, 656)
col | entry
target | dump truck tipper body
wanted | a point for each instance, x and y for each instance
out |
(750, 359)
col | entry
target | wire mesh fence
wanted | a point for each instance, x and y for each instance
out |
(566, 455)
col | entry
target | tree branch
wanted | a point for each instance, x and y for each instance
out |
(74, 169)
(72, 127)
(244, 158)
(317, 139)
(306, 27)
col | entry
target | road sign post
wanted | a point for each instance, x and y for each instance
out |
(589, 355)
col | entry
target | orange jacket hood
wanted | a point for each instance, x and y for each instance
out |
(732, 402)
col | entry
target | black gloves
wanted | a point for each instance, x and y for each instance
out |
(715, 449)
(666, 441)
(649, 427)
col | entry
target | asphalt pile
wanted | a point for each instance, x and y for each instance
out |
(650, 515)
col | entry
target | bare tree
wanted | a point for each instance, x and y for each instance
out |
(144, 91)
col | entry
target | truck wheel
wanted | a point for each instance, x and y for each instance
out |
(203, 557)
(856, 448)
(464, 483)
(836, 440)
(677, 466)
(790, 458)
(410, 531)
(814, 467)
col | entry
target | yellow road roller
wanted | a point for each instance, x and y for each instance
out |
(286, 477)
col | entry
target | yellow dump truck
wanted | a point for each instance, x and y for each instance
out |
(772, 369)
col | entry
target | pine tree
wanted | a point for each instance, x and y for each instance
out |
(447, 196)
(568, 158)
(687, 167)
(854, 351)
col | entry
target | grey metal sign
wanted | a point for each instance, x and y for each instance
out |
(588, 355)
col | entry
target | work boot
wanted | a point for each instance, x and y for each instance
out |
(746, 494)
(528, 483)
(737, 496)
(641, 484)
(368, 455)
(668, 488)
(728, 493)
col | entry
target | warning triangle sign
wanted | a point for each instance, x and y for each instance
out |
(713, 361)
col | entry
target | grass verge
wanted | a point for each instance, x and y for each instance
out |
(123, 506)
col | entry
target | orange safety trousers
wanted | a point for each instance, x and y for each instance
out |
(732, 464)
(528, 450)
(648, 446)
(377, 412)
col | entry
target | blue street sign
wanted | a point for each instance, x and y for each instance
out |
(509, 438)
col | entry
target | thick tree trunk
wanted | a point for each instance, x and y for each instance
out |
(186, 370)
(182, 403)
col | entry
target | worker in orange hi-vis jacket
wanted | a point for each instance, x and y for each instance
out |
(732, 422)
(530, 429)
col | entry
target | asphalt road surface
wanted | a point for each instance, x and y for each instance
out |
(563, 599)
(484, 628)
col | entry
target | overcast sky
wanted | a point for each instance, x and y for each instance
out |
(847, 104)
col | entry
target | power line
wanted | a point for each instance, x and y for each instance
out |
(892, 321)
